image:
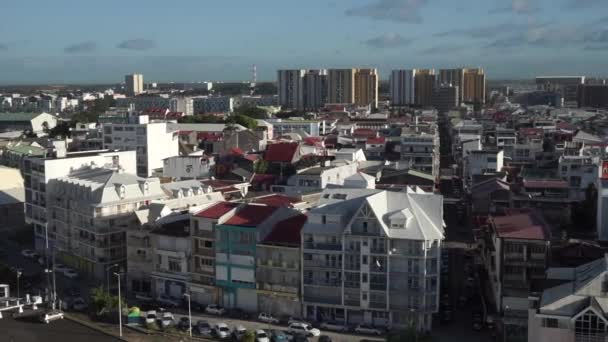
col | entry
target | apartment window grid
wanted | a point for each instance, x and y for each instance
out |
(590, 328)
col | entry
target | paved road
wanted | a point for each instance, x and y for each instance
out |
(29, 330)
(254, 325)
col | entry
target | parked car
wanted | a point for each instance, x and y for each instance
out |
(299, 337)
(292, 319)
(215, 309)
(237, 313)
(151, 317)
(183, 323)
(368, 329)
(70, 273)
(60, 268)
(168, 301)
(303, 328)
(267, 318)
(78, 304)
(324, 338)
(167, 319)
(221, 331)
(204, 328)
(238, 332)
(28, 253)
(334, 326)
(51, 316)
(278, 336)
(261, 336)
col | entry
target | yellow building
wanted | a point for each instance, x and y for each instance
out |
(474, 88)
(366, 87)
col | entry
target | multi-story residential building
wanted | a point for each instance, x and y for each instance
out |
(39, 171)
(372, 256)
(258, 101)
(181, 104)
(602, 202)
(341, 85)
(290, 86)
(194, 166)
(424, 85)
(593, 95)
(402, 87)
(278, 268)
(236, 241)
(212, 104)
(419, 150)
(316, 178)
(153, 142)
(516, 255)
(315, 89)
(314, 128)
(134, 84)
(572, 309)
(366, 87)
(474, 86)
(479, 162)
(445, 97)
(506, 139)
(454, 77)
(89, 211)
(580, 172)
(202, 228)
(143, 103)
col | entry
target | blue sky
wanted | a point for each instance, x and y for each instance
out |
(63, 41)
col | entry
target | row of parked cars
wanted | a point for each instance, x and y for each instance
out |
(59, 268)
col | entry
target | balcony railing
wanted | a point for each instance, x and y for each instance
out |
(277, 288)
(319, 282)
(208, 234)
(293, 265)
(322, 264)
(322, 246)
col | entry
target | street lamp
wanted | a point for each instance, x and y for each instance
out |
(187, 295)
(108, 268)
(119, 305)
(54, 292)
(18, 276)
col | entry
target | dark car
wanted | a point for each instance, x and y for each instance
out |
(237, 314)
(183, 324)
(324, 338)
(299, 338)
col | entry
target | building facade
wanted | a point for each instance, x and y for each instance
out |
(424, 85)
(474, 86)
(402, 87)
(315, 89)
(366, 87)
(341, 85)
(290, 86)
(134, 84)
(454, 77)
(445, 97)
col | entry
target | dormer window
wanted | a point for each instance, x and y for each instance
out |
(121, 190)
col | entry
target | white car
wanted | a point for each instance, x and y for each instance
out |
(70, 273)
(151, 317)
(238, 332)
(368, 329)
(51, 316)
(222, 331)
(303, 328)
(334, 326)
(167, 319)
(267, 318)
(28, 253)
(261, 336)
(215, 309)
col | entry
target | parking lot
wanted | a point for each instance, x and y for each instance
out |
(30, 330)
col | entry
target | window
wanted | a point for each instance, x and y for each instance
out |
(323, 219)
(174, 265)
(206, 262)
(208, 244)
(364, 296)
(364, 278)
(364, 262)
(550, 323)
(365, 227)
(195, 222)
(589, 325)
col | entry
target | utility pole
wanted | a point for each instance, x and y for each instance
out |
(119, 305)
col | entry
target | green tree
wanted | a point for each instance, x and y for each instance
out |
(242, 120)
(102, 301)
(61, 130)
(248, 337)
(251, 111)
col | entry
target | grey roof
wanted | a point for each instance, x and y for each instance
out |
(583, 291)
(18, 116)
(425, 209)
(360, 176)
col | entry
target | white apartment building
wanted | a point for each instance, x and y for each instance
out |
(174, 104)
(316, 178)
(38, 172)
(402, 87)
(89, 212)
(311, 127)
(290, 86)
(480, 162)
(574, 310)
(420, 151)
(315, 89)
(153, 142)
(188, 167)
(134, 84)
(213, 104)
(579, 172)
(372, 256)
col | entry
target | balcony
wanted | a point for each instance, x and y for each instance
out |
(352, 267)
(280, 265)
(268, 287)
(326, 296)
(208, 252)
(322, 246)
(322, 282)
(377, 286)
(322, 264)
(207, 234)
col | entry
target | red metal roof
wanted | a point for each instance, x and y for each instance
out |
(208, 136)
(546, 184)
(277, 200)
(378, 140)
(531, 132)
(252, 157)
(281, 152)
(312, 141)
(364, 133)
(184, 132)
(527, 226)
(263, 178)
(251, 215)
(236, 151)
(217, 184)
(287, 232)
(218, 210)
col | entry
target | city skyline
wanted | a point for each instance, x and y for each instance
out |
(517, 39)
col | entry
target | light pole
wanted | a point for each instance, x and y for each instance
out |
(119, 305)
(108, 269)
(53, 293)
(187, 295)
(18, 276)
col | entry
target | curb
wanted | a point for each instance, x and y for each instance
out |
(93, 326)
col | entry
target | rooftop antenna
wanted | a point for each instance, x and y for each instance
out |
(254, 78)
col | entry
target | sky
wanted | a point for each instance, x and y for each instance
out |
(76, 41)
